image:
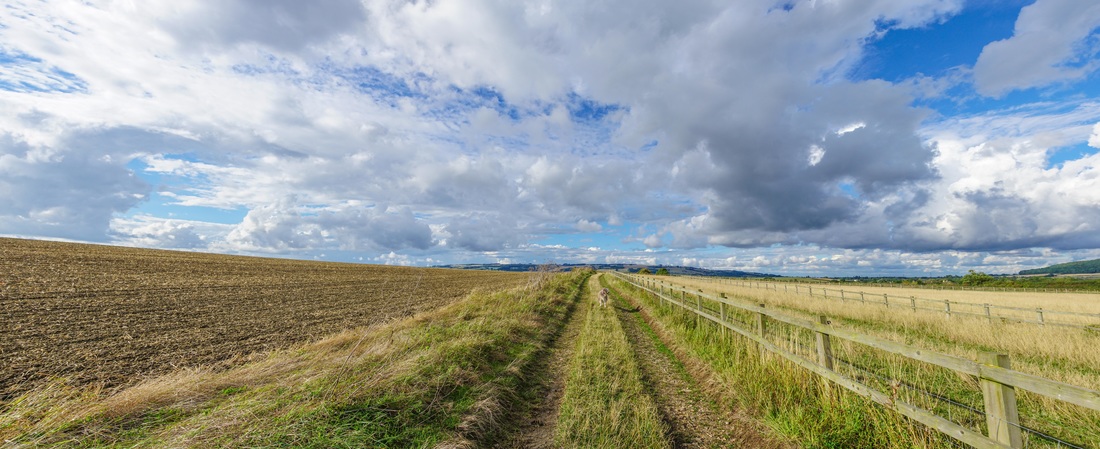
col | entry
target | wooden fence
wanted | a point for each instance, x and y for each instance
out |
(997, 381)
(990, 312)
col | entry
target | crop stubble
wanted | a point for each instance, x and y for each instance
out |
(110, 315)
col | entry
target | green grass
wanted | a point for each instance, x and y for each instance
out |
(442, 377)
(786, 397)
(1066, 355)
(605, 403)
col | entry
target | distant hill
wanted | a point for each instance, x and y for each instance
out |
(1082, 267)
(674, 270)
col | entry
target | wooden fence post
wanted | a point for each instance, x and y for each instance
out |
(1039, 314)
(761, 328)
(824, 346)
(722, 314)
(1002, 417)
(947, 307)
(698, 309)
(886, 300)
(824, 358)
(913, 302)
(861, 298)
(988, 316)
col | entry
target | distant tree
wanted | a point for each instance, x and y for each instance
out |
(644, 270)
(976, 278)
(662, 272)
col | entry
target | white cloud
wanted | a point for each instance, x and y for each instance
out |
(462, 129)
(153, 232)
(588, 226)
(288, 225)
(816, 154)
(1051, 43)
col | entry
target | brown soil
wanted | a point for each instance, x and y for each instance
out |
(109, 315)
(694, 419)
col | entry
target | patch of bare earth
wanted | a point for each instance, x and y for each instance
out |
(695, 420)
(111, 316)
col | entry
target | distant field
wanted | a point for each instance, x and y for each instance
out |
(110, 315)
(1076, 302)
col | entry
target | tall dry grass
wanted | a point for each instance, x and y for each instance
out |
(1080, 302)
(1064, 354)
(790, 400)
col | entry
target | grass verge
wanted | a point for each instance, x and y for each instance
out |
(784, 396)
(605, 403)
(1062, 354)
(442, 379)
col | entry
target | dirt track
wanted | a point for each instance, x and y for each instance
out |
(111, 315)
(696, 421)
(535, 430)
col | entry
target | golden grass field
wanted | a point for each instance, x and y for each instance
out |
(1063, 301)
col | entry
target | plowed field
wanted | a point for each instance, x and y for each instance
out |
(112, 315)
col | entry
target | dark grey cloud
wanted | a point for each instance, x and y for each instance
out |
(760, 143)
(71, 188)
(484, 232)
(286, 25)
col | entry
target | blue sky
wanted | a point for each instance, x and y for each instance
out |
(817, 137)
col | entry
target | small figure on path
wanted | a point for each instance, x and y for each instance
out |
(603, 297)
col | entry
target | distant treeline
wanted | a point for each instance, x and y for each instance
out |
(1083, 267)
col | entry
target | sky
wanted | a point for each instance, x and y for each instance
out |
(810, 137)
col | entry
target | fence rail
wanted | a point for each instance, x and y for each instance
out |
(991, 312)
(997, 381)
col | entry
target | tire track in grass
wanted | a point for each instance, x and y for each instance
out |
(536, 426)
(694, 419)
(605, 403)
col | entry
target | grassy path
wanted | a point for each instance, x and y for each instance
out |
(535, 426)
(694, 419)
(605, 402)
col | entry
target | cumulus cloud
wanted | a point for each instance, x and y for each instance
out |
(1053, 42)
(281, 24)
(1000, 192)
(70, 189)
(588, 226)
(289, 225)
(153, 232)
(484, 232)
(416, 131)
